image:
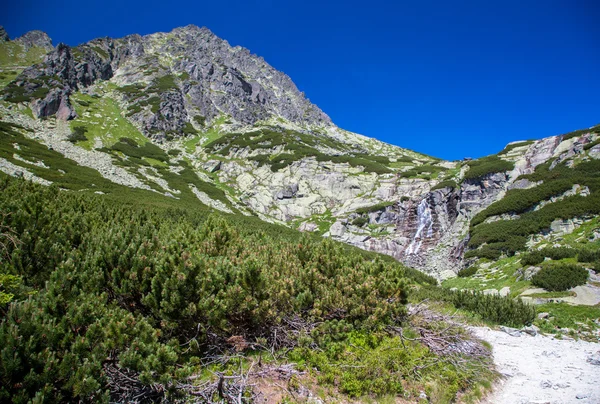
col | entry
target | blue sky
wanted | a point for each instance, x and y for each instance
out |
(452, 79)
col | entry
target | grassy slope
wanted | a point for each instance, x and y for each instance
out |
(13, 59)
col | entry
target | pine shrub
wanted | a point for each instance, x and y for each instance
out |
(558, 277)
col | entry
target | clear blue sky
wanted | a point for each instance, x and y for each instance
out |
(447, 78)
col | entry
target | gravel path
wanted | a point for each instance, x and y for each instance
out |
(542, 369)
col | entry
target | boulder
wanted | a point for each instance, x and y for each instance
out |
(513, 332)
(212, 166)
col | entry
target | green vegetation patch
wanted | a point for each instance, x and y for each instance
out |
(494, 309)
(580, 132)
(101, 118)
(150, 290)
(374, 208)
(445, 184)
(416, 171)
(513, 146)
(12, 54)
(487, 165)
(558, 277)
(297, 146)
(466, 272)
(508, 236)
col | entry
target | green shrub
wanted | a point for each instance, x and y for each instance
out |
(128, 286)
(445, 184)
(487, 165)
(532, 258)
(559, 253)
(466, 272)
(374, 208)
(78, 134)
(581, 132)
(164, 83)
(492, 308)
(415, 171)
(360, 221)
(591, 144)
(510, 147)
(513, 233)
(585, 255)
(560, 276)
(200, 120)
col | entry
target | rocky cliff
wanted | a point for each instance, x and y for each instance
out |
(142, 110)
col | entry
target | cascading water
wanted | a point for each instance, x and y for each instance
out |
(424, 229)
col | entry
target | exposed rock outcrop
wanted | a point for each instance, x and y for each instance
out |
(35, 39)
(3, 35)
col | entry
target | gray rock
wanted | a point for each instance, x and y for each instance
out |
(543, 315)
(56, 103)
(212, 166)
(531, 330)
(594, 359)
(513, 332)
(35, 39)
(288, 192)
(527, 273)
(3, 35)
(491, 292)
(594, 152)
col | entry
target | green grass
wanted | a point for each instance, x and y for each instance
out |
(6, 76)
(565, 315)
(115, 125)
(12, 54)
(154, 162)
(551, 295)
(487, 279)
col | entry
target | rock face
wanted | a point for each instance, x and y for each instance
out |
(190, 72)
(35, 39)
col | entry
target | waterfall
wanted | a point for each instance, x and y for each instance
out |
(424, 229)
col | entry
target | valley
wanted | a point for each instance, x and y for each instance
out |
(253, 214)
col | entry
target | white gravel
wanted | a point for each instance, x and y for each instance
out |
(542, 369)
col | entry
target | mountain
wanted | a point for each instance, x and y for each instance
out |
(184, 113)
(177, 234)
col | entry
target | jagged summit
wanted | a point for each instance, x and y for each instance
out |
(36, 38)
(31, 39)
(187, 75)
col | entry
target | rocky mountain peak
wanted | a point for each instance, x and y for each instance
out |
(35, 38)
(195, 74)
